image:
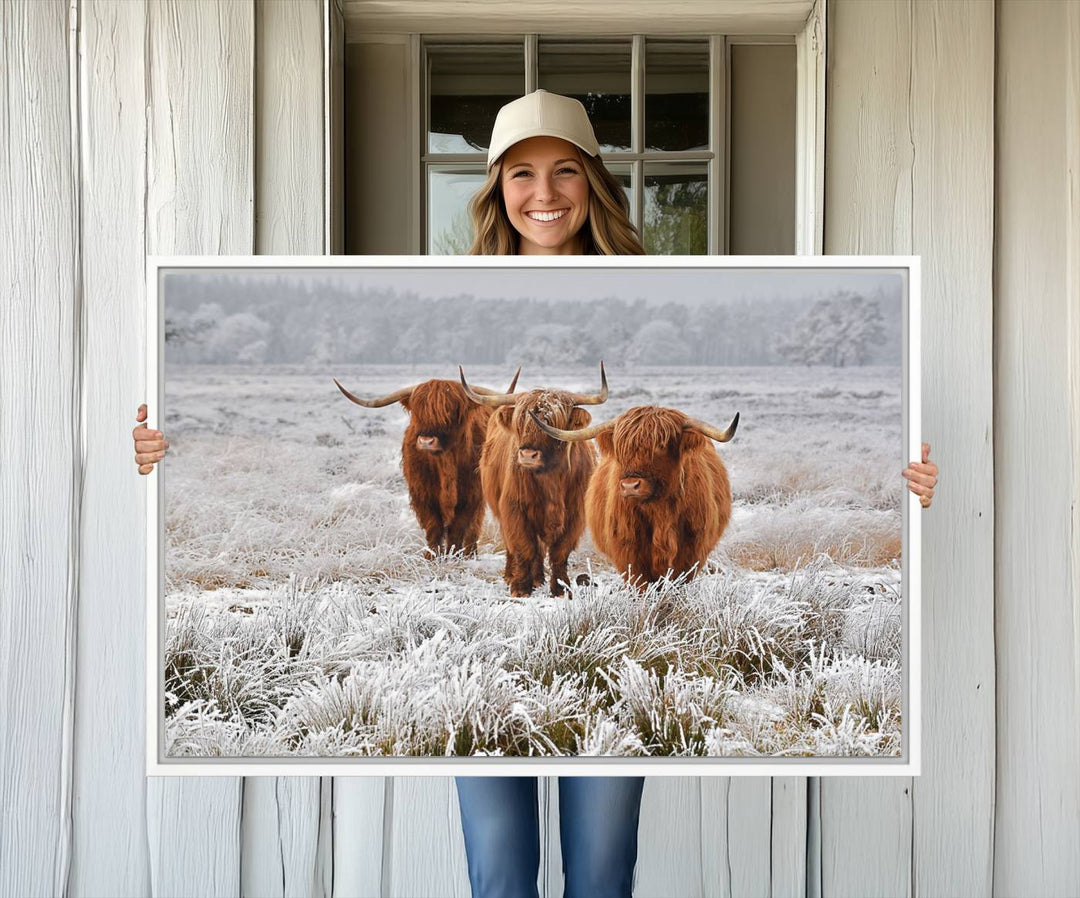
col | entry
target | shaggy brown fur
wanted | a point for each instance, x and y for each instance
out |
(444, 490)
(681, 499)
(540, 509)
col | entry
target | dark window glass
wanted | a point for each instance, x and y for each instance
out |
(676, 95)
(467, 84)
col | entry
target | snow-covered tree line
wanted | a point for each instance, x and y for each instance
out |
(837, 330)
(228, 319)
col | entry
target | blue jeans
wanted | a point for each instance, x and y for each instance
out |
(598, 822)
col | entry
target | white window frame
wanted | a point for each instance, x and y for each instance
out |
(809, 139)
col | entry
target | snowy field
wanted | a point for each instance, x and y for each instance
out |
(303, 618)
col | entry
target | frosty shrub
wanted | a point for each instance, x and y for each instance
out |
(724, 665)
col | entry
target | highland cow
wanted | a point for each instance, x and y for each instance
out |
(535, 485)
(440, 457)
(660, 498)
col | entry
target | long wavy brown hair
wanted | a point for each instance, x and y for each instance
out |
(607, 231)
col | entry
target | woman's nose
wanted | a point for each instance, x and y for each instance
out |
(545, 188)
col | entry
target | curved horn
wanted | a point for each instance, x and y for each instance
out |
(572, 436)
(484, 391)
(396, 396)
(593, 398)
(721, 436)
(491, 399)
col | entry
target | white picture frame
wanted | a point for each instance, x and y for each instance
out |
(909, 762)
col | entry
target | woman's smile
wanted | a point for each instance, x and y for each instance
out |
(553, 215)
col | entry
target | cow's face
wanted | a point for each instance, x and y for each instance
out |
(649, 445)
(438, 410)
(534, 450)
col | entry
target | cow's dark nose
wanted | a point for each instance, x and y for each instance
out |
(427, 444)
(632, 486)
(530, 457)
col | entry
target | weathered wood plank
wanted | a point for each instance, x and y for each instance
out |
(670, 838)
(40, 435)
(193, 828)
(1037, 821)
(736, 836)
(868, 151)
(280, 837)
(426, 847)
(789, 815)
(952, 130)
(361, 814)
(289, 132)
(200, 187)
(869, 158)
(866, 837)
(199, 200)
(753, 835)
(111, 858)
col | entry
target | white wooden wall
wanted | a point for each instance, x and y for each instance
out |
(187, 126)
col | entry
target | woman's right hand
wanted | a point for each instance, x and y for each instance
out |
(150, 445)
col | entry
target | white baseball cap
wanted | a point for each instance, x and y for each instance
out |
(541, 114)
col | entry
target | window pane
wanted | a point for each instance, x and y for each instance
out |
(676, 208)
(449, 192)
(466, 86)
(597, 74)
(676, 95)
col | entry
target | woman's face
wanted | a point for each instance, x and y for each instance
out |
(546, 195)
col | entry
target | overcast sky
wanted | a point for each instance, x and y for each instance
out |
(686, 286)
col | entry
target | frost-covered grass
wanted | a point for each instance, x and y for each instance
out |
(303, 617)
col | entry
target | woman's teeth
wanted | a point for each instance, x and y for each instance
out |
(546, 216)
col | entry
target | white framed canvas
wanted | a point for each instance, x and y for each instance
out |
(675, 542)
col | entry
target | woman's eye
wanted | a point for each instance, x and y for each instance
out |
(567, 171)
(520, 174)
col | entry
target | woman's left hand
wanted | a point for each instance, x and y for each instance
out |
(922, 477)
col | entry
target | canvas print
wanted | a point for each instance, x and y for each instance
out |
(501, 512)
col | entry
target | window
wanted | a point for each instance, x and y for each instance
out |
(661, 109)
